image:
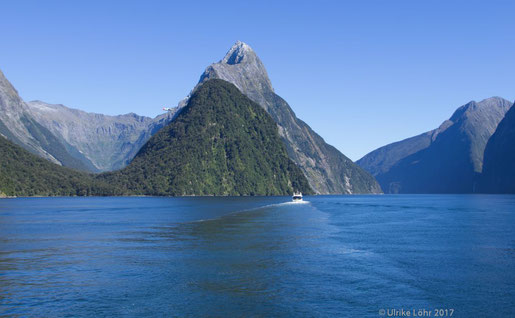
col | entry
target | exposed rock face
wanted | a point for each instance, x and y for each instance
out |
(328, 171)
(445, 160)
(499, 160)
(74, 138)
(18, 125)
(108, 142)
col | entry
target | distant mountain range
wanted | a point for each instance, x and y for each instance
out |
(18, 125)
(74, 138)
(448, 159)
(107, 142)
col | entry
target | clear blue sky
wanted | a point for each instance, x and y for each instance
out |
(361, 73)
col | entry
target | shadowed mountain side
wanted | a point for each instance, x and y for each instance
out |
(221, 143)
(446, 160)
(382, 159)
(499, 161)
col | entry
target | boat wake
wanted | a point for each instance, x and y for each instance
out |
(234, 213)
(294, 202)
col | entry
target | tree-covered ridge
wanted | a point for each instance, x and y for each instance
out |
(221, 143)
(25, 174)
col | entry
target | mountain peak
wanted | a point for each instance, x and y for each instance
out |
(238, 53)
(242, 67)
(492, 105)
(494, 101)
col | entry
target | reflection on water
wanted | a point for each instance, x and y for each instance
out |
(332, 256)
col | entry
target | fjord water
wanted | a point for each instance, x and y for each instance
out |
(345, 256)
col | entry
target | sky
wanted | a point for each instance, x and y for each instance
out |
(361, 73)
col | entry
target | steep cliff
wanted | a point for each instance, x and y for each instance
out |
(499, 160)
(18, 125)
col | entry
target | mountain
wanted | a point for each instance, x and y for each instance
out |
(25, 174)
(71, 137)
(448, 159)
(327, 170)
(18, 125)
(221, 143)
(108, 142)
(499, 160)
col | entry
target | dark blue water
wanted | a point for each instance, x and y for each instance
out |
(336, 256)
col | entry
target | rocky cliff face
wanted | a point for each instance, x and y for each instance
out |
(499, 160)
(74, 138)
(445, 160)
(108, 142)
(18, 125)
(328, 170)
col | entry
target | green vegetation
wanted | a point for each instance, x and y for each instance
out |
(25, 174)
(221, 143)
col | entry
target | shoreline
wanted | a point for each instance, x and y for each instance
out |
(244, 196)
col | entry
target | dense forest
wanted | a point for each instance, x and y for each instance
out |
(25, 174)
(221, 143)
